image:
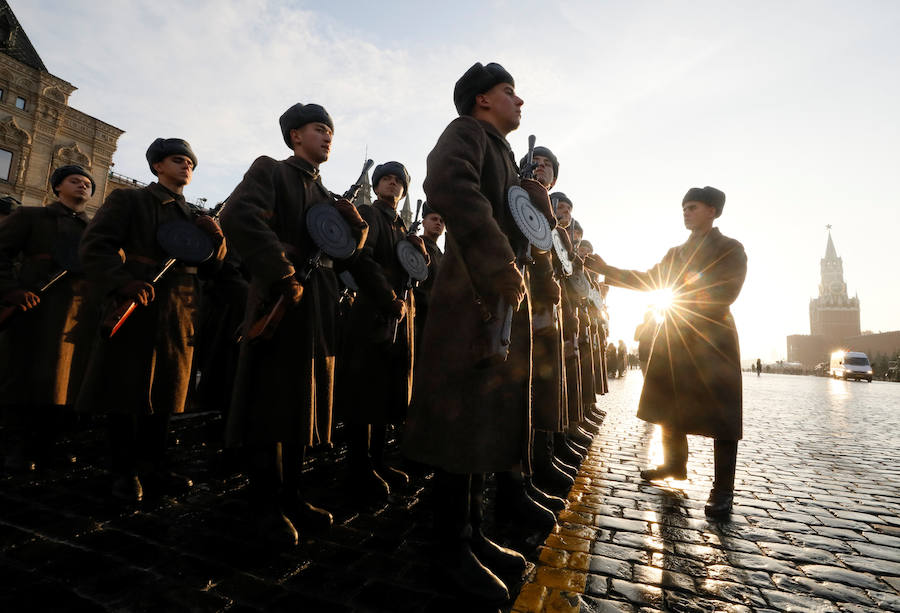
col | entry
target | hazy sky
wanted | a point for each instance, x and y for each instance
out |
(791, 108)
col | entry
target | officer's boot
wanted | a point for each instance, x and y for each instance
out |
(302, 514)
(721, 497)
(122, 432)
(266, 495)
(554, 503)
(152, 442)
(514, 505)
(16, 442)
(675, 455)
(570, 470)
(579, 440)
(396, 479)
(547, 475)
(365, 483)
(453, 540)
(564, 451)
(504, 562)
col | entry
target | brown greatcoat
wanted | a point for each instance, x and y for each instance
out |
(374, 379)
(462, 418)
(284, 386)
(44, 351)
(423, 289)
(145, 368)
(693, 382)
(548, 384)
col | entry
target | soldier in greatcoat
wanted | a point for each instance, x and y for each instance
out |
(284, 387)
(470, 415)
(44, 349)
(693, 382)
(140, 376)
(432, 229)
(376, 362)
(548, 367)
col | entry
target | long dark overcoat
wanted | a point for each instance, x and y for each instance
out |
(693, 381)
(423, 289)
(548, 382)
(44, 351)
(374, 378)
(462, 418)
(284, 387)
(145, 368)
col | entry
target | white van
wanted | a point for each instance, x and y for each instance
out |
(851, 365)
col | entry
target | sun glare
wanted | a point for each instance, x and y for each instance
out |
(661, 301)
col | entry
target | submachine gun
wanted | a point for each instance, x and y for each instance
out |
(183, 242)
(413, 262)
(333, 238)
(537, 234)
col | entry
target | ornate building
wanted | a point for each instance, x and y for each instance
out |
(39, 131)
(833, 315)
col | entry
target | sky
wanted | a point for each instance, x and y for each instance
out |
(791, 108)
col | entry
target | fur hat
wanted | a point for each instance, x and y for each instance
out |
(707, 195)
(62, 172)
(162, 148)
(391, 168)
(477, 80)
(298, 116)
(545, 152)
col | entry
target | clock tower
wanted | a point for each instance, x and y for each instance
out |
(833, 315)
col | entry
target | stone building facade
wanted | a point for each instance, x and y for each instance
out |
(39, 131)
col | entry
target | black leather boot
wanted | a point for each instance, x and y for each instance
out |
(301, 513)
(588, 425)
(501, 560)
(396, 479)
(515, 506)
(579, 441)
(721, 498)
(568, 469)
(366, 485)
(664, 472)
(453, 540)
(547, 475)
(554, 503)
(563, 451)
(675, 454)
(266, 493)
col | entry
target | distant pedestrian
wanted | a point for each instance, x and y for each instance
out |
(758, 367)
(693, 383)
(644, 334)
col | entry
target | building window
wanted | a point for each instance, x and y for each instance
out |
(5, 164)
(20, 102)
(1, 94)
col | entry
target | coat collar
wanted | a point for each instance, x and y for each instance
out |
(387, 209)
(164, 196)
(58, 208)
(303, 166)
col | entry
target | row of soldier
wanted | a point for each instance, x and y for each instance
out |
(385, 356)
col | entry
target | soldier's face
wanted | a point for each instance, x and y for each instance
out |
(389, 188)
(433, 225)
(583, 250)
(74, 188)
(697, 215)
(544, 171)
(312, 142)
(503, 106)
(176, 169)
(563, 213)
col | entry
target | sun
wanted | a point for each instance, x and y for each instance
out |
(661, 301)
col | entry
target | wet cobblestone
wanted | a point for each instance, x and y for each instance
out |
(815, 523)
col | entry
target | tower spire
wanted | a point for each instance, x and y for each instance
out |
(830, 251)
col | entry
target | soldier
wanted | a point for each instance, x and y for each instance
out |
(432, 229)
(283, 391)
(548, 383)
(140, 376)
(470, 414)
(693, 383)
(44, 349)
(376, 363)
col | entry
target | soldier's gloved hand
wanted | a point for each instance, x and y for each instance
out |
(510, 285)
(418, 242)
(357, 224)
(138, 291)
(289, 288)
(540, 198)
(21, 298)
(594, 263)
(398, 309)
(211, 227)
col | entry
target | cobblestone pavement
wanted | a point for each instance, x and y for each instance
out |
(816, 526)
